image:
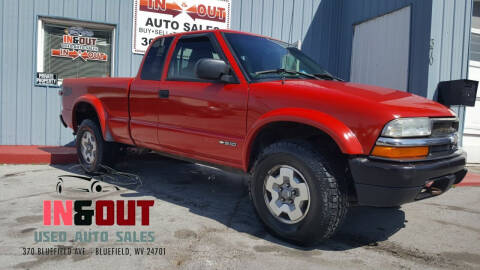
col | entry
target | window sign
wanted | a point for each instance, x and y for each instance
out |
(78, 46)
(71, 49)
(152, 18)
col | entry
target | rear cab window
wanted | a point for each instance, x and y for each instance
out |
(155, 60)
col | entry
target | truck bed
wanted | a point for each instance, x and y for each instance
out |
(110, 93)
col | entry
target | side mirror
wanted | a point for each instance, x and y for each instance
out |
(212, 69)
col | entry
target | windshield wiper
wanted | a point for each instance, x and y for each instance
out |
(283, 71)
(328, 76)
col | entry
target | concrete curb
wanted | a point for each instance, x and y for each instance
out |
(470, 180)
(35, 154)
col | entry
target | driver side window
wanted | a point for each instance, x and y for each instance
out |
(186, 55)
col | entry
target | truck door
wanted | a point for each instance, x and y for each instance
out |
(202, 119)
(144, 95)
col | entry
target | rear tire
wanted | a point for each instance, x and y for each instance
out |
(92, 149)
(298, 192)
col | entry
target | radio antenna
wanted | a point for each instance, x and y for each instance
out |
(291, 24)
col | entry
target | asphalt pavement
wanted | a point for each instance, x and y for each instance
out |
(203, 219)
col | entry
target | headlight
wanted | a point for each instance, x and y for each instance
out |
(408, 127)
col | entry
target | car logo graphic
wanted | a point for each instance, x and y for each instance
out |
(109, 180)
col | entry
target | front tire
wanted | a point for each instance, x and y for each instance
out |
(298, 193)
(92, 149)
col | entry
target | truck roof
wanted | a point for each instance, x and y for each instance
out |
(213, 31)
(210, 31)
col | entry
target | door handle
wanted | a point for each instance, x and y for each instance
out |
(163, 93)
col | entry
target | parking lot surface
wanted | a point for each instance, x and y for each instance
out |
(203, 219)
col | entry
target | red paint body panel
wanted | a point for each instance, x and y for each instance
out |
(197, 115)
(144, 111)
(109, 97)
(363, 109)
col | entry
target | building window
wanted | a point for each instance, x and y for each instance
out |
(475, 47)
(74, 49)
(476, 8)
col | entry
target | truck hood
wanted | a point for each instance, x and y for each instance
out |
(365, 109)
(392, 103)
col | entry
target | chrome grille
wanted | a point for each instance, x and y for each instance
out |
(442, 142)
(444, 127)
(442, 150)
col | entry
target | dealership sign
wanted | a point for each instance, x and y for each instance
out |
(75, 46)
(154, 18)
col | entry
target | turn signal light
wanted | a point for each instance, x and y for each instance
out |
(400, 152)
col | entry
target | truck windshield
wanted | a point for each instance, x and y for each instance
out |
(263, 58)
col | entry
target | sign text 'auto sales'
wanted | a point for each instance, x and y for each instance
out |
(154, 18)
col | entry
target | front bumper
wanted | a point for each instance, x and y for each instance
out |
(388, 183)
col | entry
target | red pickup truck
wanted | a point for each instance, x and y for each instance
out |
(311, 143)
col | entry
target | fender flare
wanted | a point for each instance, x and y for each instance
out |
(342, 135)
(99, 109)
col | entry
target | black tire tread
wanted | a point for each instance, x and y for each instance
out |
(106, 152)
(330, 170)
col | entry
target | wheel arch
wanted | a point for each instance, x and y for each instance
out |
(338, 132)
(91, 107)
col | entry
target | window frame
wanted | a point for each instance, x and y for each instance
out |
(216, 46)
(40, 32)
